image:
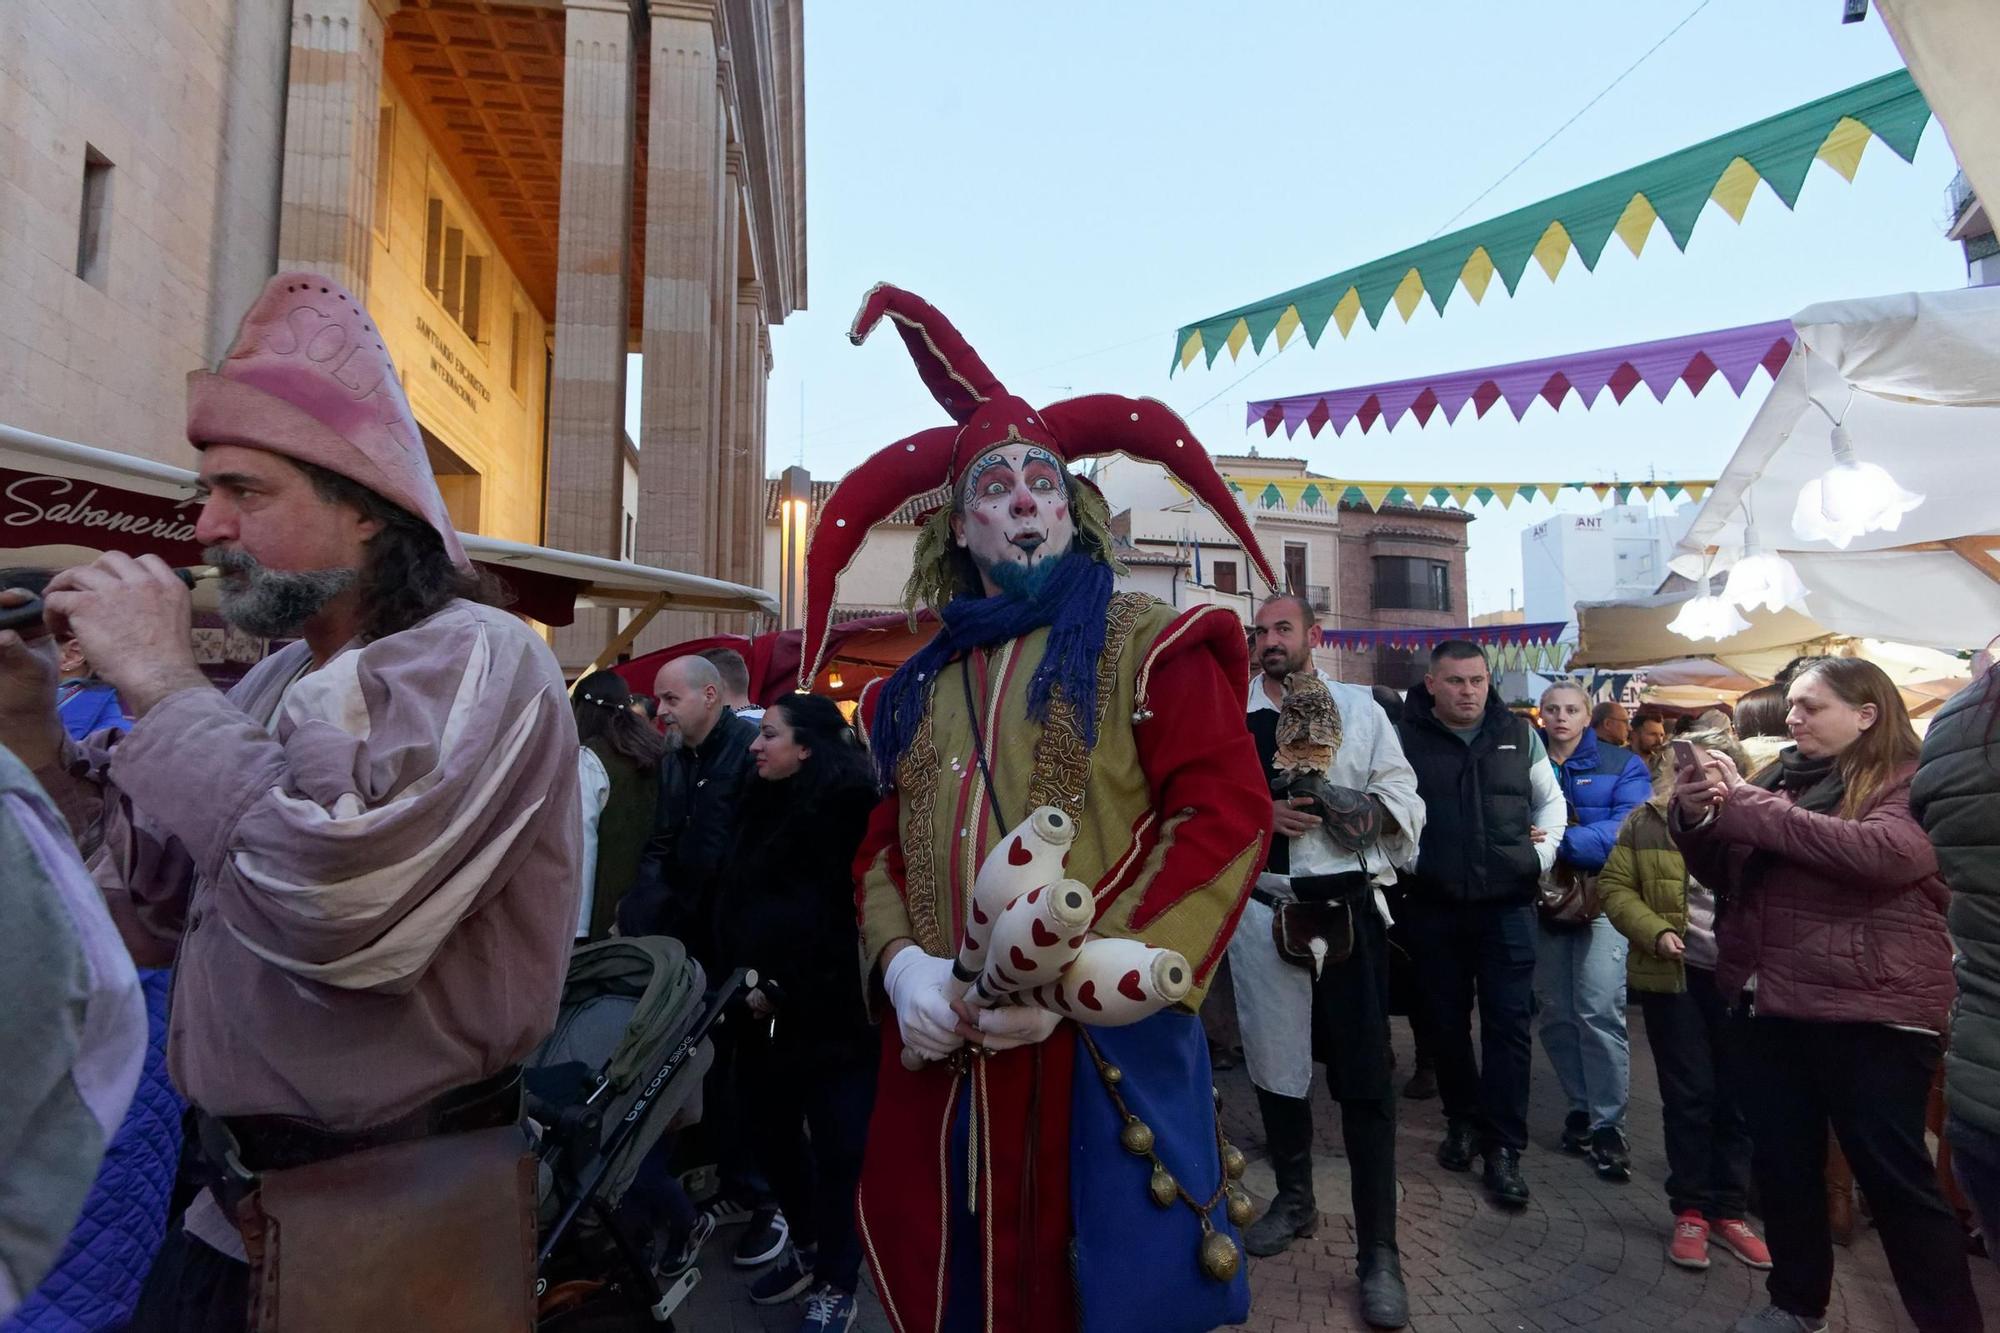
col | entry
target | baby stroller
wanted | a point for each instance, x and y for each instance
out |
(623, 1066)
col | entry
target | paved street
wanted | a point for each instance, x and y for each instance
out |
(1584, 1255)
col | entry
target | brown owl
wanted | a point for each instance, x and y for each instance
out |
(1308, 727)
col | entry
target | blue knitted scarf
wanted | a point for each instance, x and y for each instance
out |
(1072, 599)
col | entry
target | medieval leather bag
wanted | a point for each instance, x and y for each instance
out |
(1295, 927)
(435, 1233)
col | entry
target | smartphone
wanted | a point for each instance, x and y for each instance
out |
(1686, 760)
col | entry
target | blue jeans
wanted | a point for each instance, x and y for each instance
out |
(1580, 992)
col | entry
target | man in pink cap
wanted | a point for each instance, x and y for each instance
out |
(363, 858)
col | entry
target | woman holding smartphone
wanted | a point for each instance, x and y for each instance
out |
(1833, 957)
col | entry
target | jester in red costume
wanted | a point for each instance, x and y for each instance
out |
(1034, 1173)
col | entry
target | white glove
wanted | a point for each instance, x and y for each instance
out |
(1016, 1025)
(915, 983)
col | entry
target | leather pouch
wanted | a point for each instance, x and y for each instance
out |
(1295, 927)
(436, 1233)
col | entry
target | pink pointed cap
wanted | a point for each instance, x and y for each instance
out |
(309, 378)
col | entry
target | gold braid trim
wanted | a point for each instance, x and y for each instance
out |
(1062, 760)
(942, 359)
(917, 777)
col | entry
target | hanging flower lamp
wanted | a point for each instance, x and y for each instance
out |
(1708, 617)
(1762, 578)
(1850, 498)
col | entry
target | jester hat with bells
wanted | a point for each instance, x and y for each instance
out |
(987, 417)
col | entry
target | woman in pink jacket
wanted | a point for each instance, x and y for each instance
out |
(1833, 953)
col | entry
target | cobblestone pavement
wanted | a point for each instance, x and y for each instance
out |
(1583, 1255)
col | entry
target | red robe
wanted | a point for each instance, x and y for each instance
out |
(1174, 818)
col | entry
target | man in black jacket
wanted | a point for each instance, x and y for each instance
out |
(702, 784)
(701, 789)
(1494, 816)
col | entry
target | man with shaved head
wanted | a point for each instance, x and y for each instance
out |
(702, 785)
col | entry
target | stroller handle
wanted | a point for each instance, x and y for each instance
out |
(733, 988)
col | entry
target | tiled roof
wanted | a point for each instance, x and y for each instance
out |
(909, 516)
(1439, 512)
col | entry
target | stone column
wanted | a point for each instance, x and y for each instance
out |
(760, 465)
(593, 282)
(332, 108)
(725, 514)
(746, 395)
(679, 406)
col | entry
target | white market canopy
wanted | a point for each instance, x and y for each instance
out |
(1915, 379)
(61, 501)
(1632, 635)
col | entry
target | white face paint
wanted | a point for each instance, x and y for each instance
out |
(1014, 509)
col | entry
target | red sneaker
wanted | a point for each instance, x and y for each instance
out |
(1688, 1246)
(1737, 1237)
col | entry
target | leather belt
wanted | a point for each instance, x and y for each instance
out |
(1348, 886)
(240, 1146)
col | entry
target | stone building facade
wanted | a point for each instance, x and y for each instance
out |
(521, 193)
(1390, 567)
(1401, 566)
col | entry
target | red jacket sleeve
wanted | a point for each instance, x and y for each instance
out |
(1201, 768)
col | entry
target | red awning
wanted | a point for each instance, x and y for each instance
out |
(858, 651)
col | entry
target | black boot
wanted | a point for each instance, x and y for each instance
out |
(1455, 1153)
(1384, 1303)
(1504, 1181)
(1294, 1213)
(1369, 1131)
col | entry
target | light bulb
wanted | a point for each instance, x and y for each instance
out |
(1708, 617)
(1850, 498)
(1761, 578)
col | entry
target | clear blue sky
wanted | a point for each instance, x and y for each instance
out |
(1071, 182)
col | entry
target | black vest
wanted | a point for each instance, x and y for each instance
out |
(1478, 803)
(1263, 726)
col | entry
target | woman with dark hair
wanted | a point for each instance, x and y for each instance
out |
(618, 771)
(1761, 712)
(1834, 960)
(1957, 796)
(786, 908)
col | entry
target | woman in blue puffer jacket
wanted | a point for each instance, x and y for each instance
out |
(1580, 969)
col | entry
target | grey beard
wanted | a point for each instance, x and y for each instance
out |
(275, 604)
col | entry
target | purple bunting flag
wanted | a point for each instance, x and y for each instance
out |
(1692, 359)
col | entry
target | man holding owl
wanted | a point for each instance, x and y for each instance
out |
(1310, 956)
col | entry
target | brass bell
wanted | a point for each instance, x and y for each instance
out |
(1113, 1074)
(1162, 1187)
(1219, 1256)
(1233, 1161)
(1136, 1137)
(1239, 1207)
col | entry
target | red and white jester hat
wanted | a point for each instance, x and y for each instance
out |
(987, 416)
